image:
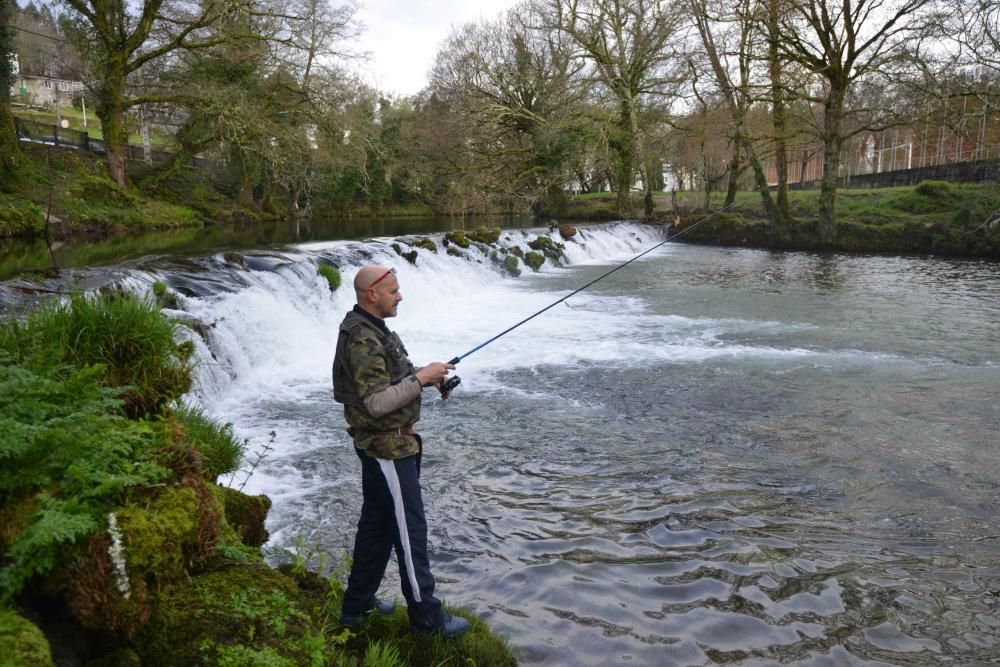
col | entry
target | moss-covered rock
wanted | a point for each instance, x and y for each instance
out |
(246, 515)
(517, 251)
(540, 243)
(22, 644)
(458, 238)
(426, 244)
(489, 236)
(331, 274)
(534, 260)
(410, 256)
(455, 252)
(160, 532)
(512, 265)
(247, 615)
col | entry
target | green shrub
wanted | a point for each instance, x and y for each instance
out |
(931, 188)
(127, 335)
(332, 275)
(221, 451)
(62, 443)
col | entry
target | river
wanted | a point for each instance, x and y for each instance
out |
(712, 456)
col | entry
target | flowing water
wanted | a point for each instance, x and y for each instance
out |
(711, 456)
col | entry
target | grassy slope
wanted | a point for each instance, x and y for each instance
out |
(84, 200)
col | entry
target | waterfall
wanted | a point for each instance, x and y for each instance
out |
(271, 320)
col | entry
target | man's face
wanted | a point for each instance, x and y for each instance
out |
(387, 296)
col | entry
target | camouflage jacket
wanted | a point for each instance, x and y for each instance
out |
(371, 359)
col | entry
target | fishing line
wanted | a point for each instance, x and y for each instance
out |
(599, 278)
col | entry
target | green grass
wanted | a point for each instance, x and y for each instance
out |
(221, 451)
(331, 274)
(84, 199)
(932, 217)
(125, 335)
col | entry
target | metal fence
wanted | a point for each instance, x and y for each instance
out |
(52, 135)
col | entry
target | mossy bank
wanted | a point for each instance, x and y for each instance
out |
(933, 217)
(120, 547)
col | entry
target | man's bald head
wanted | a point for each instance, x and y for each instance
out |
(367, 276)
(377, 290)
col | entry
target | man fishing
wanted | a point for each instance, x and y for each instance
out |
(380, 390)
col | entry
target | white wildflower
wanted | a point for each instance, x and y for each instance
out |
(117, 553)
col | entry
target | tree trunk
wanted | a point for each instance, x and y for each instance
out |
(734, 171)
(10, 152)
(111, 109)
(832, 119)
(777, 111)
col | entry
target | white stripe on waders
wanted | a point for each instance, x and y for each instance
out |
(392, 478)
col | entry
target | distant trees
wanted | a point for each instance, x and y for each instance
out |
(551, 97)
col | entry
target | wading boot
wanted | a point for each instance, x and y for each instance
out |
(382, 607)
(450, 628)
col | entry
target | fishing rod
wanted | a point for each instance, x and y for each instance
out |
(453, 382)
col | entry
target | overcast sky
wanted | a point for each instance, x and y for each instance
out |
(402, 38)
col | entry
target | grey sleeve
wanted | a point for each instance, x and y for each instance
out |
(393, 397)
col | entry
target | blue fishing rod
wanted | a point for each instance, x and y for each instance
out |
(454, 381)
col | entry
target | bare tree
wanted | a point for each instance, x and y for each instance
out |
(843, 42)
(517, 82)
(734, 23)
(634, 46)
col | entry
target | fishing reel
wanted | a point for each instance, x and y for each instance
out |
(449, 384)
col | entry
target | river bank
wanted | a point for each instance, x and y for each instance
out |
(119, 545)
(67, 197)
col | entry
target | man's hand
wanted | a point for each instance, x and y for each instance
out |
(433, 373)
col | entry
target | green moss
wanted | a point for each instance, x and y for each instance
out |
(534, 260)
(540, 243)
(246, 514)
(243, 612)
(159, 532)
(512, 264)
(455, 252)
(23, 644)
(458, 238)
